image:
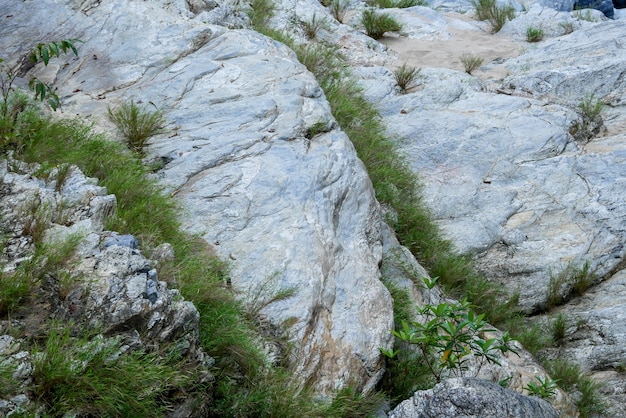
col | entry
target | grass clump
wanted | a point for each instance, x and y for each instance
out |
(261, 12)
(377, 24)
(571, 379)
(136, 124)
(471, 62)
(405, 76)
(339, 9)
(496, 15)
(314, 25)
(534, 34)
(567, 27)
(94, 376)
(570, 280)
(400, 4)
(591, 107)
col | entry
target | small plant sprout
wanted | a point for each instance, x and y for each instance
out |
(377, 24)
(542, 388)
(591, 107)
(136, 124)
(534, 34)
(405, 76)
(471, 62)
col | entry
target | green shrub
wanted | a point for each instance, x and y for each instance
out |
(534, 34)
(136, 124)
(471, 62)
(377, 24)
(450, 333)
(405, 76)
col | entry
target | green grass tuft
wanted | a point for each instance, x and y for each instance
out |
(377, 24)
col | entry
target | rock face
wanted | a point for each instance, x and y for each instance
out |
(513, 177)
(466, 397)
(254, 156)
(112, 287)
(520, 176)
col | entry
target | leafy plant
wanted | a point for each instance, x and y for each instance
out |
(42, 53)
(495, 14)
(136, 124)
(543, 388)
(405, 76)
(449, 334)
(471, 62)
(534, 34)
(377, 24)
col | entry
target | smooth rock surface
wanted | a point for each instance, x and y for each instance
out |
(468, 398)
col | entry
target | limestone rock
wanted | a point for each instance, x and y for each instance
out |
(467, 397)
(504, 175)
(255, 158)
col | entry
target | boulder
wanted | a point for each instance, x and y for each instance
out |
(468, 398)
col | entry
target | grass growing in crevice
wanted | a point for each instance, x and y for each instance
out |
(377, 24)
(408, 371)
(95, 376)
(246, 384)
(570, 378)
(395, 183)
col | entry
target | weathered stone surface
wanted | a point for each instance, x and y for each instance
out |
(289, 204)
(595, 338)
(503, 174)
(111, 286)
(467, 397)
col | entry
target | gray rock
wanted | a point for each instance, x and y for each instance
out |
(467, 397)
(128, 241)
(289, 204)
(510, 183)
